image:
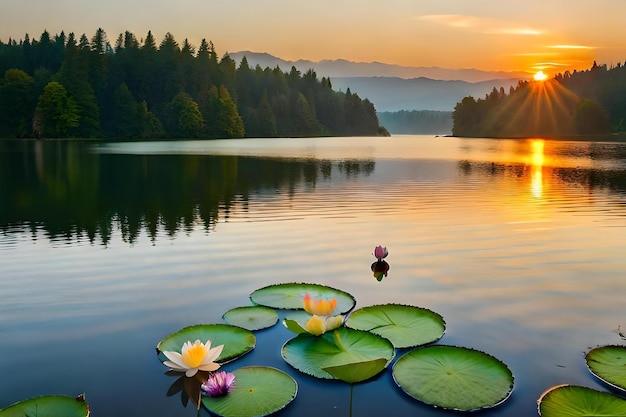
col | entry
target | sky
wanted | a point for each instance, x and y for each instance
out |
(491, 35)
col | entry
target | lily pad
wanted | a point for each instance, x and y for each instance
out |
(346, 354)
(357, 372)
(405, 326)
(48, 406)
(608, 363)
(575, 401)
(258, 391)
(237, 341)
(453, 378)
(251, 317)
(290, 296)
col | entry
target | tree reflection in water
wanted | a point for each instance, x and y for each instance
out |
(70, 193)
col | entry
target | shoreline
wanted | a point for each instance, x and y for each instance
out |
(610, 137)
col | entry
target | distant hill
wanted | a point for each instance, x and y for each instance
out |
(395, 94)
(393, 87)
(342, 68)
(417, 122)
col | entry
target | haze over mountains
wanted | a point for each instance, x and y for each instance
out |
(394, 87)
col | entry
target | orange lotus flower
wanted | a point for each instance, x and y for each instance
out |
(318, 325)
(319, 307)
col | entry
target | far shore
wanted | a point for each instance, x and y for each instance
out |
(609, 137)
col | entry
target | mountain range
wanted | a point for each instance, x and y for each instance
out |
(395, 87)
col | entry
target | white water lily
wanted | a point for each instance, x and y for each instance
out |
(194, 357)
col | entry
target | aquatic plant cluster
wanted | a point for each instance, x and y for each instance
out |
(333, 341)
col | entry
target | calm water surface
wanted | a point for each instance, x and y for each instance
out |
(106, 248)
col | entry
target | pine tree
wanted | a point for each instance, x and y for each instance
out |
(16, 107)
(56, 114)
(125, 117)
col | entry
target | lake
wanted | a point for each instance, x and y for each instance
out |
(108, 247)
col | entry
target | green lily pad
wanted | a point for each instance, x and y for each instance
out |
(346, 354)
(575, 401)
(258, 391)
(357, 372)
(290, 296)
(48, 406)
(237, 341)
(608, 363)
(405, 326)
(251, 317)
(453, 377)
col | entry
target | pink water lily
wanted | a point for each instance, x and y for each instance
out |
(380, 252)
(194, 357)
(218, 384)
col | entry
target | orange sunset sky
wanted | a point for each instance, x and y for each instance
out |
(507, 35)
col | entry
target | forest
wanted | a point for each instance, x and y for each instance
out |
(589, 102)
(64, 86)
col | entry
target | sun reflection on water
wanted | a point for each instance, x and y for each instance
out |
(537, 161)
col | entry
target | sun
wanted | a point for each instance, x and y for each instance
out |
(540, 76)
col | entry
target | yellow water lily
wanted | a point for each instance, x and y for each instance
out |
(319, 306)
(317, 325)
(194, 357)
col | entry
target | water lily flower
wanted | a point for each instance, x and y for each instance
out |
(319, 307)
(194, 357)
(380, 253)
(317, 325)
(218, 384)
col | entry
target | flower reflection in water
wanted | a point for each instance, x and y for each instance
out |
(319, 306)
(189, 388)
(380, 269)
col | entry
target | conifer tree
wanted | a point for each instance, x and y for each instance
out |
(184, 118)
(16, 107)
(125, 113)
(56, 114)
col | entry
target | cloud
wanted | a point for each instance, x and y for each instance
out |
(550, 64)
(570, 47)
(454, 20)
(525, 31)
(481, 24)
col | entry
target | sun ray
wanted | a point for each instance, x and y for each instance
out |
(536, 108)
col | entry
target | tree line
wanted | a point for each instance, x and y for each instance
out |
(584, 102)
(69, 86)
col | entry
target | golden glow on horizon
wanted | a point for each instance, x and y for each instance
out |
(540, 76)
(485, 37)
